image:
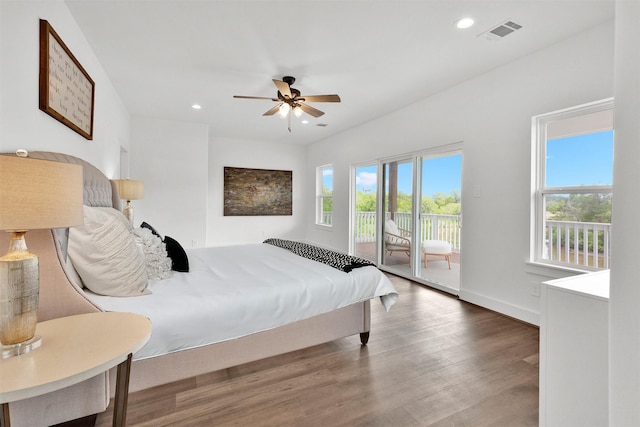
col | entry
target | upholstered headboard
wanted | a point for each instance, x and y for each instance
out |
(98, 189)
(60, 295)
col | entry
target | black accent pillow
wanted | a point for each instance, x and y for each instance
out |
(153, 230)
(179, 260)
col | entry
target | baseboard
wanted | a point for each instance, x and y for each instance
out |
(510, 310)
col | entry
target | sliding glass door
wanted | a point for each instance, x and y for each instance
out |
(407, 215)
(440, 216)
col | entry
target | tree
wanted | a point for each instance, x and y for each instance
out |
(580, 207)
(439, 203)
(327, 202)
(365, 202)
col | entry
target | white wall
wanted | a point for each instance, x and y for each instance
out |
(224, 230)
(624, 324)
(491, 114)
(22, 124)
(171, 158)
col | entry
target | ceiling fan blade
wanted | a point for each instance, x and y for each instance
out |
(255, 97)
(320, 98)
(272, 111)
(310, 110)
(283, 88)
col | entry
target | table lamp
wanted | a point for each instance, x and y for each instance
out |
(129, 189)
(34, 194)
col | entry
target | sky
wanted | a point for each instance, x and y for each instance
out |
(580, 160)
(327, 178)
(439, 175)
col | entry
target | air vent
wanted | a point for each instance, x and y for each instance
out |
(500, 31)
(322, 125)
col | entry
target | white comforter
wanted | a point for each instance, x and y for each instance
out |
(234, 291)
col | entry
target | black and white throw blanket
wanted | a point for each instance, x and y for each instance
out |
(334, 259)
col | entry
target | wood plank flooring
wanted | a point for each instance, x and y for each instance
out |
(431, 361)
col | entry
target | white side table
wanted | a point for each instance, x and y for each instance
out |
(74, 349)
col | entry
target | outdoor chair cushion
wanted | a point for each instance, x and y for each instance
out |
(436, 247)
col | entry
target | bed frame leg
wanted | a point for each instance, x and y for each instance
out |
(364, 338)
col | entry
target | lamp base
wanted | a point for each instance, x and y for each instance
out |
(19, 289)
(128, 211)
(11, 350)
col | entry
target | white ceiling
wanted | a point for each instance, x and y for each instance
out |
(379, 56)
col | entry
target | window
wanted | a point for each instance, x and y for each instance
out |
(324, 195)
(573, 175)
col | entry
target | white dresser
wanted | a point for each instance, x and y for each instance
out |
(574, 323)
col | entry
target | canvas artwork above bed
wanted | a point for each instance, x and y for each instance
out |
(253, 192)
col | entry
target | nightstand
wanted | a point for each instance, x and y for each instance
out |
(74, 349)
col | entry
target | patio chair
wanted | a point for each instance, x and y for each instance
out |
(399, 240)
(396, 239)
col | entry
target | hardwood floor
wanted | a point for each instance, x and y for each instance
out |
(431, 361)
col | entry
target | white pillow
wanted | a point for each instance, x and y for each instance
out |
(104, 253)
(391, 227)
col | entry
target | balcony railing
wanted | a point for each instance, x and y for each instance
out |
(432, 226)
(574, 243)
(577, 243)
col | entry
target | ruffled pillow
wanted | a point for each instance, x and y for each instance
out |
(175, 251)
(157, 262)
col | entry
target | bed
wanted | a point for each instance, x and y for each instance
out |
(284, 302)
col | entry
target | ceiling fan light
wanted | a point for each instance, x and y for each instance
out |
(284, 110)
(297, 111)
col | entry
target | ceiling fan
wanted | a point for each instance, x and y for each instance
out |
(289, 99)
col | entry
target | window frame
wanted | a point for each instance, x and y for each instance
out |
(320, 196)
(538, 173)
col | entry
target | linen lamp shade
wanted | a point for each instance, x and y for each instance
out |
(130, 189)
(36, 194)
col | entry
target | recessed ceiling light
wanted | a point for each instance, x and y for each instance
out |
(196, 106)
(463, 23)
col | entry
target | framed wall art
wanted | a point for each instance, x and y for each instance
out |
(66, 89)
(255, 192)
